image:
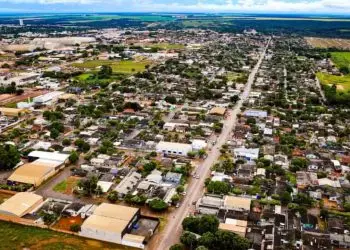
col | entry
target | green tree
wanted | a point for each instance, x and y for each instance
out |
(66, 142)
(9, 156)
(285, 198)
(189, 240)
(75, 228)
(73, 157)
(218, 187)
(112, 196)
(158, 205)
(177, 247)
(54, 133)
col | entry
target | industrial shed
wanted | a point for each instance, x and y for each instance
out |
(110, 222)
(173, 148)
(33, 173)
(12, 112)
(21, 204)
(50, 156)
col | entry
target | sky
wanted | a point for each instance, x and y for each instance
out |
(212, 6)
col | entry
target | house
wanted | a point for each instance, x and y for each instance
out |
(255, 113)
(111, 223)
(21, 204)
(173, 178)
(236, 226)
(173, 148)
(128, 183)
(218, 111)
(209, 204)
(237, 203)
(246, 153)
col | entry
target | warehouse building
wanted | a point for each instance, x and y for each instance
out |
(173, 148)
(21, 204)
(48, 98)
(50, 156)
(34, 173)
(12, 112)
(113, 223)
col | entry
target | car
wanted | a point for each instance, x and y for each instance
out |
(184, 193)
(178, 205)
(197, 177)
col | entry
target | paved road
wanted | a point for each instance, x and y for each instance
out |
(172, 231)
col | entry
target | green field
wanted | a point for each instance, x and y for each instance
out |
(15, 236)
(60, 187)
(341, 59)
(125, 67)
(232, 76)
(342, 82)
(165, 46)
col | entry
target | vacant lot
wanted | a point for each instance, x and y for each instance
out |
(66, 186)
(328, 42)
(15, 236)
(341, 59)
(166, 46)
(126, 67)
(342, 82)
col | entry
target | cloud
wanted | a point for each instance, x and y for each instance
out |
(287, 6)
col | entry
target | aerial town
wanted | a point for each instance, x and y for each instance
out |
(173, 139)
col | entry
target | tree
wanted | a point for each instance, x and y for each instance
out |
(113, 196)
(234, 98)
(175, 198)
(191, 154)
(201, 152)
(149, 167)
(226, 240)
(201, 225)
(207, 240)
(105, 72)
(54, 133)
(180, 189)
(218, 187)
(188, 239)
(88, 186)
(9, 156)
(177, 247)
(66, 142)
(285, 198)
(73, 157)
(170, 99)
(158, 205)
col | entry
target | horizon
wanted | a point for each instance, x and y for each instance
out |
(304, 7)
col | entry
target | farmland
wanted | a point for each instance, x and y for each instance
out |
(14, 236)
(342, 82)
(125, 67)
(328, 43)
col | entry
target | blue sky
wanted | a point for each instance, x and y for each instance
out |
(235, 6)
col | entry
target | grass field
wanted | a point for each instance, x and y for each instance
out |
(341, 59)
(15, 236)
(166, 46)
(60, 187)
(125, 67)
(232, 76)
(317, 42)
(342, 82)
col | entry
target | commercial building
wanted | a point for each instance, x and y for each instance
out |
(12, 112)
(21, 204)
(34, 173)
(50, 156)
(173, 148)
(246, 153)
(48, 98)
(112, 223)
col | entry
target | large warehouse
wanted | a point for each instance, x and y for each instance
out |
(34, 173)
(111, 223)
(21, 204)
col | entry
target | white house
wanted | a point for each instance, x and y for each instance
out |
(173, 148)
